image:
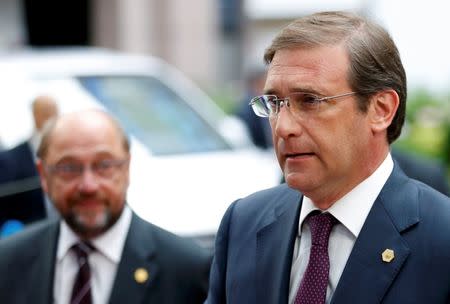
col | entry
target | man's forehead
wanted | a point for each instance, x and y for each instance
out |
(323, 57)
(84, 150)
(84, 117)
(317, 64)
(77, 132)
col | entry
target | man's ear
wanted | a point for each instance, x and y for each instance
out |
(128, 170)
(42, 174)
(382, 109)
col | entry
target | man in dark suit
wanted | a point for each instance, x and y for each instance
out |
(99, 243)
(258, 127)
(21, 196)
(427, 171)
(349, 226)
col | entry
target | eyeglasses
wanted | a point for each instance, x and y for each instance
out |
(297, 102)
(105, 168)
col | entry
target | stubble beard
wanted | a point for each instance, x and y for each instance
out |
(90, 224)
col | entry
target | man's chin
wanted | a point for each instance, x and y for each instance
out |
(89, 226)
(298, 181)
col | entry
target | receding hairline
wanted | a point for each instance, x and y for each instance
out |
(319, 29)
(52, 125)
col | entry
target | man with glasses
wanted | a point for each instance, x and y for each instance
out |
(349, 226)
(100, 252)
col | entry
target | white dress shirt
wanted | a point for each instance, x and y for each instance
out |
(103, 261)
(351, 211)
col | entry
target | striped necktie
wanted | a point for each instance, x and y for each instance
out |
(81, 292)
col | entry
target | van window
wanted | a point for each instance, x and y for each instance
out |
(153, 113)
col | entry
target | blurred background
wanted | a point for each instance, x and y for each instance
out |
(218, 45)
(217, 42)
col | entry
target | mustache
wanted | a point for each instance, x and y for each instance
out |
(81, 196)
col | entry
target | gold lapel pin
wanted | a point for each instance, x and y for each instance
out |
(141, 275)
(388, 255)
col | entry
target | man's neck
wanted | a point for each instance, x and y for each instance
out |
(325, 199)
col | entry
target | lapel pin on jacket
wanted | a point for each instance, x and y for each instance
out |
(141, 275)
(388, 255)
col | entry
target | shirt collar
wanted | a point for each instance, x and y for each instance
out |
(352, 209)
(110, 243)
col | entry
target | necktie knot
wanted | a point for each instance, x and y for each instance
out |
(321, 225)
(82, 250)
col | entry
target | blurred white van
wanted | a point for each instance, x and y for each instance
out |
(189, 160)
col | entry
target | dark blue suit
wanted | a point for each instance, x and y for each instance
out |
(21, 196)
(254, 247)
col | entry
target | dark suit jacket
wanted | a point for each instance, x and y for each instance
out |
(178, 269)
(258, 127)
(21, 196)
(254, 248)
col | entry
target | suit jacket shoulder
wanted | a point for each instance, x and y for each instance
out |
(177, 268)
(263, 206)
(410, 219)
(21, 196)
(27, 263)
(20, 162)
(254, 247)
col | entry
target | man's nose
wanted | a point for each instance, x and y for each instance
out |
(285, 124)
(89, 182)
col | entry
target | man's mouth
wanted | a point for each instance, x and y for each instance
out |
(299, 155)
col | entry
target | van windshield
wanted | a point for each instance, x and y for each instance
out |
(154, 114)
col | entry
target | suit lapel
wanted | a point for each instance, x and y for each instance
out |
(41, 267)
(274, 248)
(366, 277)
(136, 263)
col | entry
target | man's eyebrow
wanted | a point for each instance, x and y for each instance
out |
(304, 90)
(293, 90)
(66, 159)
(270, 92)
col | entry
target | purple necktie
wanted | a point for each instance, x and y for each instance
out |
(313, 286)
(81, 293)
